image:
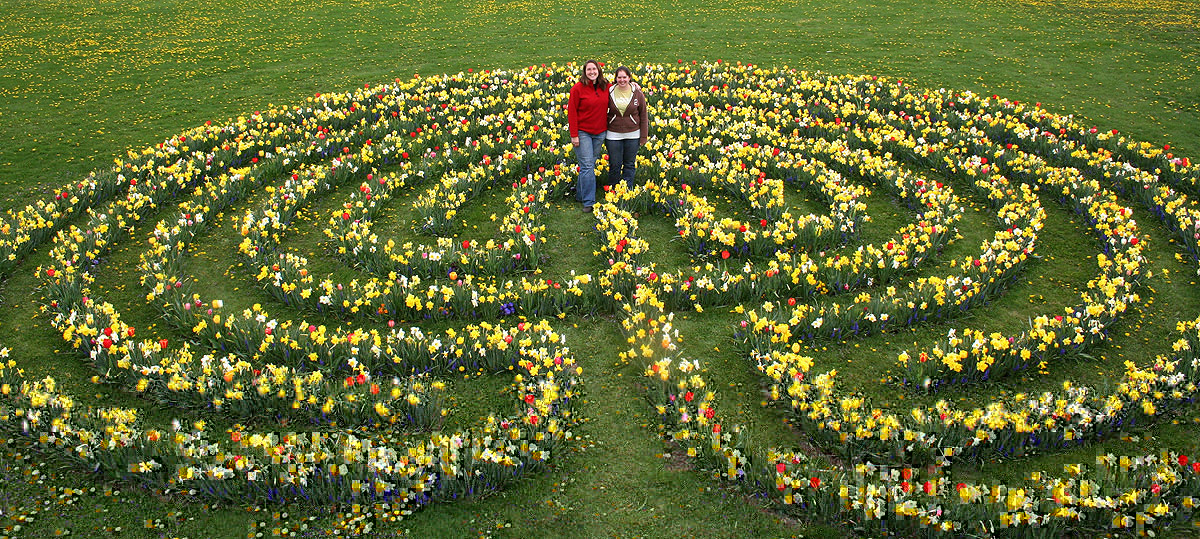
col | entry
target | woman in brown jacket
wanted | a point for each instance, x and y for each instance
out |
(628, 127)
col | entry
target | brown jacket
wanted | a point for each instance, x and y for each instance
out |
(634, 119)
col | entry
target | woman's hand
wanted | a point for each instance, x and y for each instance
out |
(575, 141)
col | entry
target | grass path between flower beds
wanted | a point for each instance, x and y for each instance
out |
(617, 482)
(81, 85)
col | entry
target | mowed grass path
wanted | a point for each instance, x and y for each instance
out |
(81, 84)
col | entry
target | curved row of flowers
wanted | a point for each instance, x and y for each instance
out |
(189, 379)
(287, 276)
(95, 327)
(733, 169)
(794, 274)
(979, 278)
(786, 367)
(317, 466)
(1120, 265)
(376, 297)
(1068, 333)
(417, 469)
(892, 123)
(1062, 135)
(1150, 174)
(351, 228)
(171, 166)
(1122, 493)
(443, 466)
(301, 347)
(891, 496)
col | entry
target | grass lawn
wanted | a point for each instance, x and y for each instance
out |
(82, 84)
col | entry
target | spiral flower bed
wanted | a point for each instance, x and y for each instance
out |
(372, 396)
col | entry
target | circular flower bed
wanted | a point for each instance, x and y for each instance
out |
(372, 396)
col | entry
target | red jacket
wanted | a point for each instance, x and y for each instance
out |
(587, 109)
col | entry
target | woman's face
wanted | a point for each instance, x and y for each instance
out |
(623, 78)
(591, 71)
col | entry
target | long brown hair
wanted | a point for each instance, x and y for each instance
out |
(600, 80)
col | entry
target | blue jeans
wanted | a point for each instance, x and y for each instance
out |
(622, 160)
(587, 152)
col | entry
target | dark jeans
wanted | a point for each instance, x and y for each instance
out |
(622, 160)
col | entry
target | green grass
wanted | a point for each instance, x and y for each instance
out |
(81, 85)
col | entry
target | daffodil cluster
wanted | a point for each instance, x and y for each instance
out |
(791, 271)
(352, 231)
(332, 377)
(898, 499)
(746, 132)
(323, 467)
(975, 355)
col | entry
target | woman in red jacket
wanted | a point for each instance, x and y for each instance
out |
(628, 127)
(587, 115)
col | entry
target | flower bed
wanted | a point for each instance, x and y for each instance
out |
(372, 392)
